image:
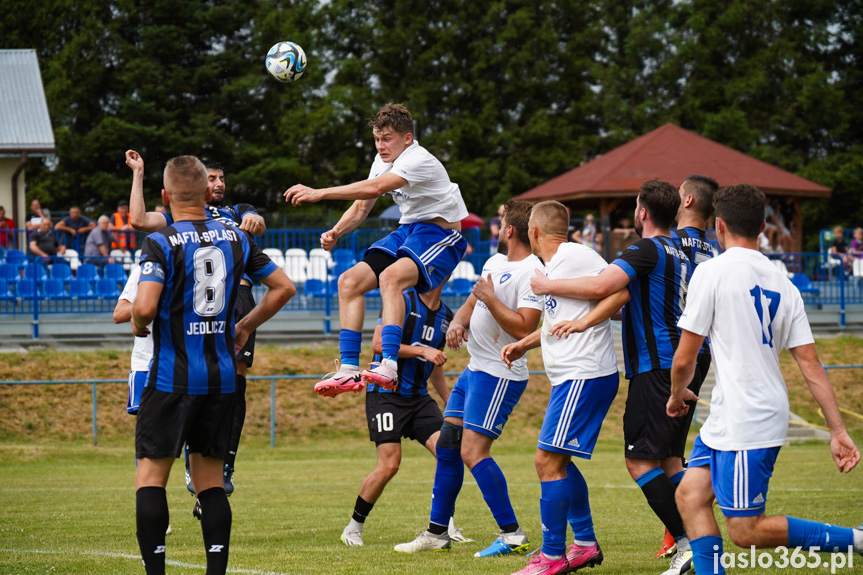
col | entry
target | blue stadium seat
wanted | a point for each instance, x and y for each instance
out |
(9, 272)
(87, 272)
(115, 272)
(80, 288)
(805, 286)
(35, 271)
(107, 288)
(26, 289)
(345, 257)
(61, 272)
(16, 257)
(460, 286)
(340, 268)
(315, 288)
(54, 288)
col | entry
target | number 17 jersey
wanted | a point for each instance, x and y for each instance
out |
(200, 264)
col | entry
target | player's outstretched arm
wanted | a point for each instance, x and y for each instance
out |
(457, 332)
(611, 280)
(845, 453)
(517, 323)
(682, 372)
(362, 190)
(280, 289)
(516, 350)
(139, 217)
(350, 220)
(438, 381)
(602, 311)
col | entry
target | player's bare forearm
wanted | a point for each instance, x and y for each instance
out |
(683, 365)
(123, 311)
(611, 280)
(361, 190)
(518, 323)
(353, 217)
(531, 341)
(438, 381)
(464, 313)
(139, 218)
(813, 372)
(146, 305)
(280, 290)
(605, 309)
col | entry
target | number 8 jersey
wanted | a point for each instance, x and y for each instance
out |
(200, 264)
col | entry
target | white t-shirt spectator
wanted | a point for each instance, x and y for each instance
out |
(750, 311)
(511, 282)
(429, 193)
(586, 355)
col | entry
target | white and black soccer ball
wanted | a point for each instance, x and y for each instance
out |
(286, 62)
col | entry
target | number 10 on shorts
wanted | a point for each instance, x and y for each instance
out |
(385, 421)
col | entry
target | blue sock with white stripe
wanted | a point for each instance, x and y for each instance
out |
(579, 516)
(448, 479)
(350, 343)
(492, 483)
(826, 537)
(553, 508)
(391, 340)
(707, 555)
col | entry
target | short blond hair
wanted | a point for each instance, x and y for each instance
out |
(185, 179)
(552, 218)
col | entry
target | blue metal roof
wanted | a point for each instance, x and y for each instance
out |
(24, 120)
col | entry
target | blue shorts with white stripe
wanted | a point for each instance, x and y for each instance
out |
(574, 415)
(484, 401)
(436, 251)
(740, 478)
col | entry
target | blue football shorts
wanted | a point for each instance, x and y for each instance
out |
(483, 401)
(137, 381)
(575, 413)
(740, 478)
(435, 250)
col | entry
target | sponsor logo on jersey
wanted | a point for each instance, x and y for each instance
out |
(505, 277)
(207, 236)
(550, 306)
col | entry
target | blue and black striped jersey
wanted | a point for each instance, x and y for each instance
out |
(694, 244)
(659, 273)
(423, 327)
(200, 264)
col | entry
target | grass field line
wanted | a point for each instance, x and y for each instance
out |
(136, 558)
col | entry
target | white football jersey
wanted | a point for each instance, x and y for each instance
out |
(586, 355)
(750, 311)
(142, 349)
(486, 338)
(429, 193)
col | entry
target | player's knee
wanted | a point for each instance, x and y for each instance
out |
(389, 469)
(742, 532)
(349, 283)
(450, 436)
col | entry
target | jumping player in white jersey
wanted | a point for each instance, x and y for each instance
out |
(578, 352)
(750, 311)
(501, 310)
(421, 253)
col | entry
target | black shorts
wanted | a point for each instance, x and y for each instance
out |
(647, 430)
(379, 260)
(391, 417)
(245, 304)
(168, 420)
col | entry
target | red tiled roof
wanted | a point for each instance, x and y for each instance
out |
(669, 153)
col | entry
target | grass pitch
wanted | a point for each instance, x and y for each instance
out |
(71, 509)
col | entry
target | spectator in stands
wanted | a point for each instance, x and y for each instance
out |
(776, 229)
(160, 209)
(124, 234)
(494, 228)
(839, 249)
(99, 242)
(587, 234)
(74, 227)
(44, 244)
(7, 239)
(34, 217)
(856, 249)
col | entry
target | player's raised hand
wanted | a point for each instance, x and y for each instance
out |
(134, 160)
(299, 193)
(483, 290)
(676, 406)
(511, 352)
(845, 453)
(253, 223)
(539, 283)
(455, 336)
(329, 239)
(565, 328)
(435, 356)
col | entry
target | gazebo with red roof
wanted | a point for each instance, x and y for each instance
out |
(671, 153)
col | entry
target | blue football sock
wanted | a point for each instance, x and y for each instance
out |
(492, 483)
(350, 342)
(578, 514)
(391, 340)
(826, 537)
(707, 555)
(448, 479)
(677, 478)
(553, 508)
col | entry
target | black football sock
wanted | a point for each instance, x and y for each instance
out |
(659, 491)
(436, 529)
(151, 519)
(216, 526)
(362, 508)
(239, 419)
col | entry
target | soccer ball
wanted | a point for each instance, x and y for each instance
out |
(286, 62)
